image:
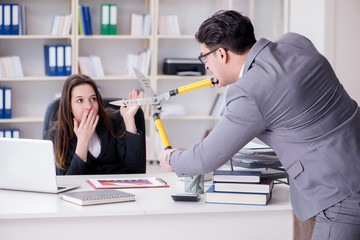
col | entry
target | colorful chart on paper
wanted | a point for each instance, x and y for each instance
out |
(145, 182)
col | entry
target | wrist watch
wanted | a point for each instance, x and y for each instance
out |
(167, 159)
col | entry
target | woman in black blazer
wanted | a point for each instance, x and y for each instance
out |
(91, 139)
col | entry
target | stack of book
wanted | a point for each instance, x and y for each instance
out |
(85, 26)
(61, 25)
(169, 25)
(10, 66)
(141, 61)
(239, 187)
(91, 66)
(140, 24)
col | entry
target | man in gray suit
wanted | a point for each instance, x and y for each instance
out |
(286, 94)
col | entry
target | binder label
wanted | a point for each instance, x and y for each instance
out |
(52, 58)
(113, 14)
(105, 15)
(7, 99)
(15, 14)
(7, 15)
(60, 56)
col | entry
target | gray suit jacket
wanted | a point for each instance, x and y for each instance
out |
(290, 98)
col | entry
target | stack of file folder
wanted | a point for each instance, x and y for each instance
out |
(10, 133)
(108, 19)
(5, 102)
(259, 156)
(12, 19)
(58, 60)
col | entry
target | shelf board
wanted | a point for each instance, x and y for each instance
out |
(189, 117)
(63, 78)
(97, 37)
(25, 37)
(102, 37)
(177, 77)
(115, 78)
(33, 119)
(35, 78)
(189, 37)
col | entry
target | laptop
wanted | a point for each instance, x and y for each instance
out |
(28, 165)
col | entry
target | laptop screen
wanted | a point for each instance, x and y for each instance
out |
(27, 164)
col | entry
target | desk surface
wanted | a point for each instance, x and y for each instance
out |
(154, 215)
(23, 205)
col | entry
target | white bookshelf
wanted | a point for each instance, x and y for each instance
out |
(192, 117)
(32, 93)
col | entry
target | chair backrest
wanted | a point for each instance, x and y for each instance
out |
(51, 116)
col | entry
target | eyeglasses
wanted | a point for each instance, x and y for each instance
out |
(202, 56)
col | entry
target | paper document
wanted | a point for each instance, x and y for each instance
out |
(136, 182)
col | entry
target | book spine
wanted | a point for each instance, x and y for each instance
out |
(113, 19)
(81, 23)
(105, 12)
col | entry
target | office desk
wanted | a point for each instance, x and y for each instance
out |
(154, 215)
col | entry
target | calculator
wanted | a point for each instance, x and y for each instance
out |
(188, 197)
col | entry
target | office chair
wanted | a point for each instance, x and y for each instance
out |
(51, 116)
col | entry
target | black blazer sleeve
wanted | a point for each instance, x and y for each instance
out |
(131, 147)
(76, 165)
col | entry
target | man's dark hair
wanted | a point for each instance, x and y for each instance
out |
(227, 29)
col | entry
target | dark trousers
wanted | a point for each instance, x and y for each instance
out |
(339, 222)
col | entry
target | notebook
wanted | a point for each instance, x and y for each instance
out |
(94, 197)
(28, 165)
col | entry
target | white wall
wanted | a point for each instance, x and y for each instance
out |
(307, 17)
(333, 27)
(347, 42)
